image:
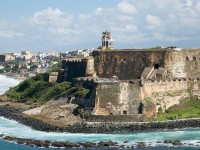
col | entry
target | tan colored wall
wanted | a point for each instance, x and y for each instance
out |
(129, 64)
(168, 93)
(53, 78)
(114, 98)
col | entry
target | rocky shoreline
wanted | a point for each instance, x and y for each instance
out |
(94, 127)
(14, 113)
(93, 145)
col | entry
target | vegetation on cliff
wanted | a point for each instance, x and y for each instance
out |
(189, 108)
(38, 89)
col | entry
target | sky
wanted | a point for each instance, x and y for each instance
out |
(65, 25)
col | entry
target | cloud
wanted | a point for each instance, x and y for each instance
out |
(153, 22)
(8, 31)
(131, 22)
(126, 7)
(54, 21)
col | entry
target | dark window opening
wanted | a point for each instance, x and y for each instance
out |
(187, 58)
(141, 108)
(194, 58)
(156, 66)
(124, 112)
(111, 113)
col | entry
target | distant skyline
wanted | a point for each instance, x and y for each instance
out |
(45, 25)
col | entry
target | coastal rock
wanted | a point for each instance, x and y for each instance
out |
(176, 143)
(1, 135)
(89, 144)
(141, 144)
(107, 144)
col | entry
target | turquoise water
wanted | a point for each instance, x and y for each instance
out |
(11, 128)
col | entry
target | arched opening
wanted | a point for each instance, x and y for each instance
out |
(124, 112)
(156, 66)
(141, 108)
(187, 58)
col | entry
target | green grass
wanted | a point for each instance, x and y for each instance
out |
(38, 89)
(187, 109)
(155, 48)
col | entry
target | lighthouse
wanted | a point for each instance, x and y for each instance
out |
(107, 41)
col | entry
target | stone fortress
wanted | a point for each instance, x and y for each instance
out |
(134, 82)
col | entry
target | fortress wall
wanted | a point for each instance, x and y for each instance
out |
(182, 64)
(129, 64)
(116, 98)
(125, 98)
(90, 70)
(74, 69)
(168, 93)
(151, 87)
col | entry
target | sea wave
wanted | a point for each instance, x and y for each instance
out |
(6, 82)
(13, 128)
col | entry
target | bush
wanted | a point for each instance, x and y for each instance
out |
(38, 89)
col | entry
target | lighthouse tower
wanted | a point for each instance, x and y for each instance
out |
(107, 41)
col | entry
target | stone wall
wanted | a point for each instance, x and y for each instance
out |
(116, 118)
(77, 67)
(132, 98)
(117, 98)
(129, 64)
(73, 69)
(169, 92)
(53, 77)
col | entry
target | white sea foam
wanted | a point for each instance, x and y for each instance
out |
(7, 82)
(12, 128)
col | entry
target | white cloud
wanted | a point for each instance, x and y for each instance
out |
(56, 21)
(130, 21)
(8, 31)
(126, 7)
(154, 22)
(98, 11)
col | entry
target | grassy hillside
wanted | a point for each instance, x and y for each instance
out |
(38, 89)
(189, 108)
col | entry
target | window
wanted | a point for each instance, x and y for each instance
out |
(194, 58)
(124, 112)
(187, 58)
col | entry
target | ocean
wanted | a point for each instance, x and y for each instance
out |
(190, 137)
